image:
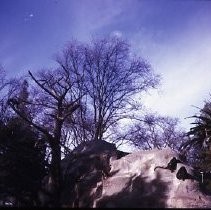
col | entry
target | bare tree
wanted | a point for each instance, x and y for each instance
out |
(112, 77)
(54, 98)
(154, 131)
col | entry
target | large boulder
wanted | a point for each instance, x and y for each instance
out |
(87, 165)
(104, 179)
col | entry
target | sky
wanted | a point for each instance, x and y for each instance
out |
(174, 36)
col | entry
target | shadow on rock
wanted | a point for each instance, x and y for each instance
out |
(138, 193)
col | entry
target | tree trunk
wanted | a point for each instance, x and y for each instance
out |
(55, 173)
(99, 128)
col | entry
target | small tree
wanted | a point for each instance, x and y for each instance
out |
(155, 131)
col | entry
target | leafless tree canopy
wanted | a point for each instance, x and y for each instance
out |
(111, 77)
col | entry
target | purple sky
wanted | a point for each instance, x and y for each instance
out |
(173, 35)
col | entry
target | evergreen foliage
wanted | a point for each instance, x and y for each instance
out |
(22, 163)
(199, 138)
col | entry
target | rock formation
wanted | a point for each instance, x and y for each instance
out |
(98, 175)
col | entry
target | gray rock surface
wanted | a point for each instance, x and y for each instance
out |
(104, 179)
